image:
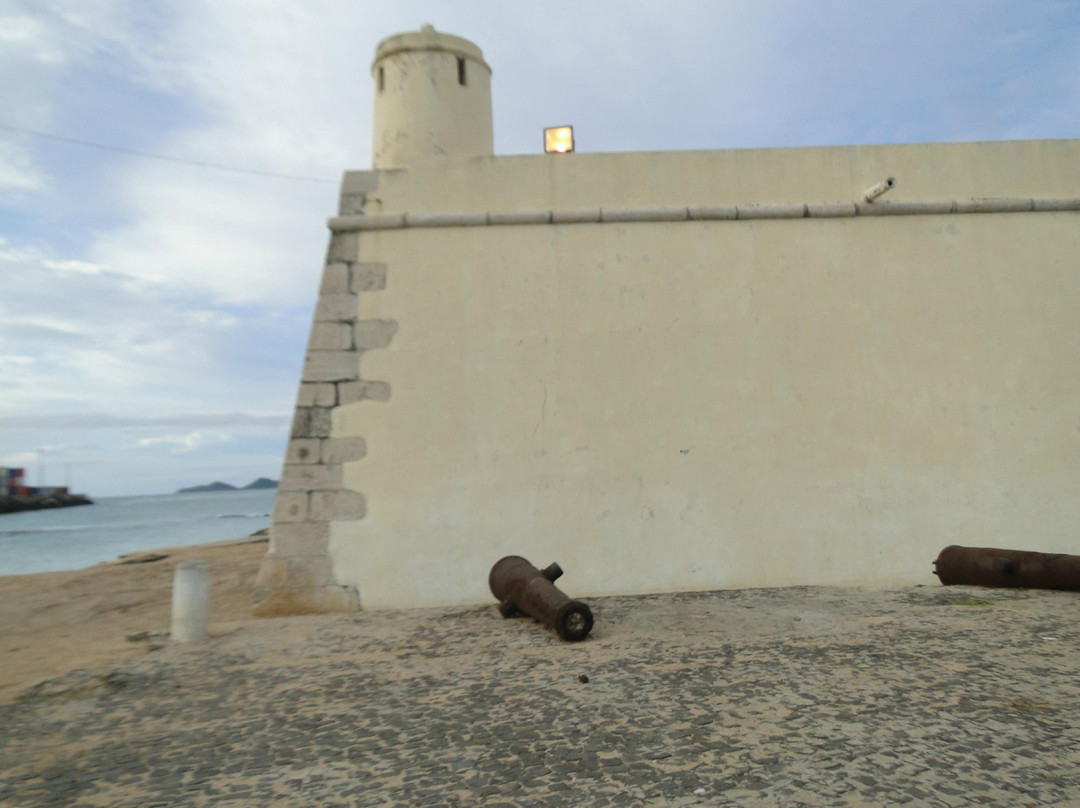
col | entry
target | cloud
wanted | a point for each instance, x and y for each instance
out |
(85, 421)
(207, 234)
(189, 442)
(137, 387)
(280, 110)
(28, 35)
(85, 267)
(112, 456)
(19, 459)
(79, 338)
(17, 171)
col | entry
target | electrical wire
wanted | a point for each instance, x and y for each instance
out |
(164, 157)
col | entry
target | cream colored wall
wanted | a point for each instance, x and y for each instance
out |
(694, 405)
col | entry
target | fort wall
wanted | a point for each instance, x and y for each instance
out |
(789, 389)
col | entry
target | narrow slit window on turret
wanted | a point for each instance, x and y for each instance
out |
(461, 70)
(382, 79)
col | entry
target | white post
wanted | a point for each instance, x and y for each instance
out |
(191, 601)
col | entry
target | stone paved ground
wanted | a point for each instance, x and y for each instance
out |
(786, 697)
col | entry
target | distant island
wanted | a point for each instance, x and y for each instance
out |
(260, 483)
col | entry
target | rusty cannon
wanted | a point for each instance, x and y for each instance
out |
(988, 566)
(522, 588)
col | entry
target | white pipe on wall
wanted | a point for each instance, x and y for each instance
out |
(874, 191)
(812, 210)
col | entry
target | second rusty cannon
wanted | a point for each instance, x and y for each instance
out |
(990, 566)
(522, 588)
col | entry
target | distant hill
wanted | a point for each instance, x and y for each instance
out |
(262, 482)
(203, 489)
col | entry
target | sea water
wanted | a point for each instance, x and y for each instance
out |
(72, 538)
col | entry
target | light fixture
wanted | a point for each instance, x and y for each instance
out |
(559, 139)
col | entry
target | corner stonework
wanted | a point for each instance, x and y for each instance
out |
(296, 575)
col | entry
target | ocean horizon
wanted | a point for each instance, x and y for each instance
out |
(74, 538)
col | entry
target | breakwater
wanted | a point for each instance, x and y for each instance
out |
(40, 502)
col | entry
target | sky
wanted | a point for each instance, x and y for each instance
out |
(154, 312)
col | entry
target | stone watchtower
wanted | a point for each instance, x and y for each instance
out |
(432, 99)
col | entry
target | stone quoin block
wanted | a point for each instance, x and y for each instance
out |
(299, 538)
(339, 599)
(331, 366)
(330, 337)
(309, 572)
(343, 450)
(273, 572)
(303, 572)
(335, 308)
(350, 392)
(335, 279)
(333, 506)
(371, 334)
(303, 450)
(311, 600)
(360, 182)
(311, 422)
(310, 477)
(351, 204)
(368, 277)
(290, 506)
(343, 247)
(317, 395)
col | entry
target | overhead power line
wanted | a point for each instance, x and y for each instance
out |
(151, 156)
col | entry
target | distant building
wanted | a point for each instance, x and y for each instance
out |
(16, 496)
(674, 370)
(12, 482)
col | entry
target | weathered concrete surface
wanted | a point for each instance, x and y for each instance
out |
(784, 697)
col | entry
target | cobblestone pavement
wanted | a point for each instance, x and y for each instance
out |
(784, 697)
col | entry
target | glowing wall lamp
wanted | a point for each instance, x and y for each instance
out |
(559, 139)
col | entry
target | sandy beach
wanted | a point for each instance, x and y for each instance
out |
(55, 622)
(944, 697)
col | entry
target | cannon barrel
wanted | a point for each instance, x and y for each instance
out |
(521, 587)
(988, 566)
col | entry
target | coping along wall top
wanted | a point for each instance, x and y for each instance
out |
(820, 210)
